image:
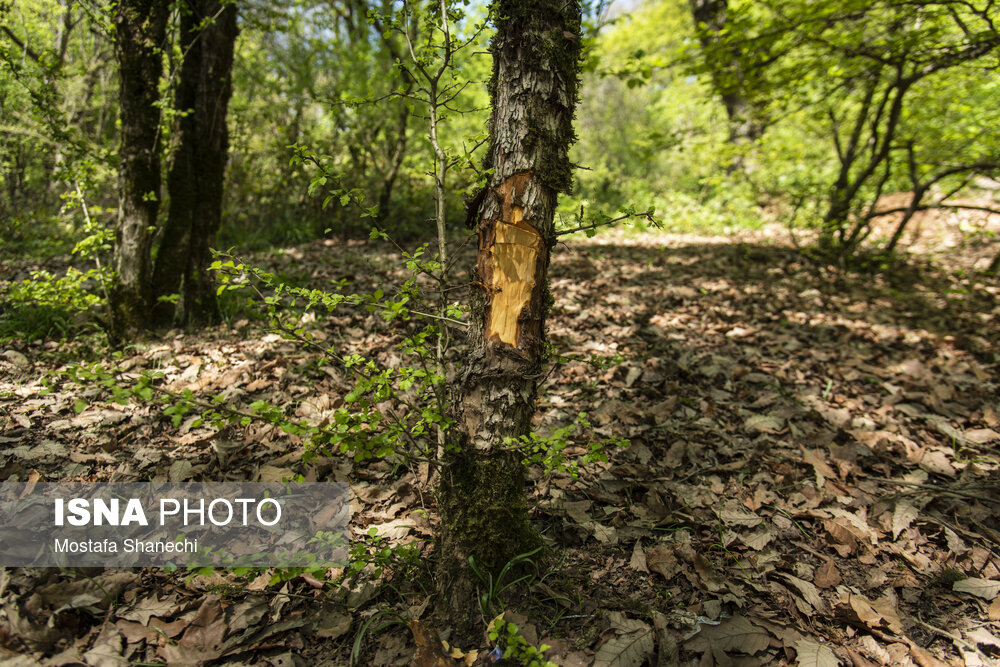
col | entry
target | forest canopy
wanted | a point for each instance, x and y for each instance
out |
(824, 108)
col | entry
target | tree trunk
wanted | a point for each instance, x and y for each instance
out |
(197, 174)
(140, 29)
(838, 210)
(482, 501)
(745, 123)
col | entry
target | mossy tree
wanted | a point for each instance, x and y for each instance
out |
(140, 32)
(533, 89)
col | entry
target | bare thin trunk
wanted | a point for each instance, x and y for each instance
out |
(399, 152)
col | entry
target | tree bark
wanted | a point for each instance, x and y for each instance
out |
(197, 174)
(140, 29)
(536, 51)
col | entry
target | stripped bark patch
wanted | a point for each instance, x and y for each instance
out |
(513, 252)
(515, 259)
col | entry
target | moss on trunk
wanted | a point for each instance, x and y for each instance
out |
(484, 509)
(140, 33)
(481, 497)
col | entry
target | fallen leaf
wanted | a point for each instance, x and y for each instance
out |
(981, 436)
(890, 615)
(983, 636)
(827, 575)
(577, 510)
(661, 559)
(936, 461)
(821, 468)
(107, 649)
(902, 516)
(179, 470)
(924, 658)
(604, 534)
(862, 607)
(763, 424)
(100, 591)
(734, 513)
(638, 560)
(202, 639)
(734, 634)
(246, 613)
(628, 648)
(707, 575)
(274, 474)
(813, 654)
(136, 632)
(141, 610)
(984, 588)
(393, 530)
(847, 526)
(16, 358)
(807, 590)
(759, 538)
(994, 610)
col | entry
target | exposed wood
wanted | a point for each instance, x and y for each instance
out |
(513, 256)
(430, 651)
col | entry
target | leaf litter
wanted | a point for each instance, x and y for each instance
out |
(813, 477)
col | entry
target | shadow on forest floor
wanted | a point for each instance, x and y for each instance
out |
(813, 469)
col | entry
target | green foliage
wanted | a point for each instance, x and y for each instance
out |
(653, 128)
(512, 645)
(523, 570)
(550, 451)
(865, 99)
(390, 413)
(57, 105)
(307, 74)
(49, 306)
(653, 134)
(403, 560)
(651, 125)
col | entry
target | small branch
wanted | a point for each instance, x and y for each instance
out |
(968, 646)
(20, 44)
(440, 317)
(933, 488)
(927, 207)
(97, 257)
(601, 223)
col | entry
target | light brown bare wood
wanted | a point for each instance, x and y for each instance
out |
(515, 261)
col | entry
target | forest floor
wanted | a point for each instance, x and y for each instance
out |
(813, 476)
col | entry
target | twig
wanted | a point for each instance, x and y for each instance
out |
(928, 207)
(97, 257)
(955, 638)
(938, 489)
(601, 223)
